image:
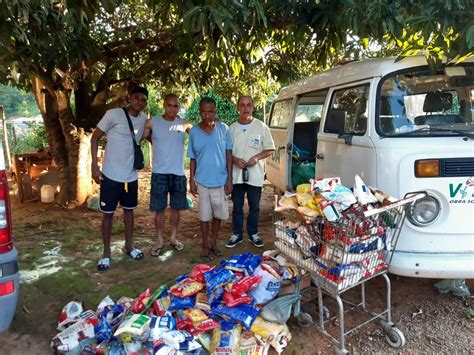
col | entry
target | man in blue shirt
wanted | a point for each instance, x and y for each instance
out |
(210, 151)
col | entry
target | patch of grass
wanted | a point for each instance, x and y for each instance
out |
(65, 285)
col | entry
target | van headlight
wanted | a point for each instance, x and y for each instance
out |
(424, 211)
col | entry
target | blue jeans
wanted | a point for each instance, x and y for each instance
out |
(253, 199)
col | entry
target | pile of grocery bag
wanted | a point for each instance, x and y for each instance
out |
(225, 309)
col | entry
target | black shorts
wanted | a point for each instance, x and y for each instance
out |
(161, 185)
(112, 192)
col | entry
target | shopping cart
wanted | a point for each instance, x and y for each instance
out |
(344, 254)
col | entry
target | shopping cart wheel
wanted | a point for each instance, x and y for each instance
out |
(304, 319)
(395, 337)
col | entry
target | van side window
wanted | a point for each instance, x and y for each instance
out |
(350, 105)
(281, 114)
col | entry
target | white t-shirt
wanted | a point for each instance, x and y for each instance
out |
(248, 140)
(119, 152)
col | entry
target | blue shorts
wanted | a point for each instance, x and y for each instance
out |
(112, 192)
(161, 185)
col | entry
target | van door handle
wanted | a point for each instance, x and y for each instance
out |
(320, 156)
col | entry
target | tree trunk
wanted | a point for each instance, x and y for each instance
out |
(69, 145)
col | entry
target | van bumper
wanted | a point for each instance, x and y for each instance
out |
(433, 265)
(9, 272)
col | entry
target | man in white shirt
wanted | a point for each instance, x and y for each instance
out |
(118, 179)
(252, 143)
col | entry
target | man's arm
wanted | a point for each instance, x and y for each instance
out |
(228, 185)
(147, 131)
(95, 171)
(262, 155)
(192, 182)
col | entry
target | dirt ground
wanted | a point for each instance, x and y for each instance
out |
(59, 249)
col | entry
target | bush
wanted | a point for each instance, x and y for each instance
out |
(32, 139)
(226, 110)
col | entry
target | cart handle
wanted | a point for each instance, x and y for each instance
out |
(409, 198)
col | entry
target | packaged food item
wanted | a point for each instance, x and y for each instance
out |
(70, 338)
(173, 338)
(181, 303)
(303, 189)
(202, 302)
(216, 278)
(189, 346)
(306, 211)
(243, 314)
(125, 302)
(205, 339)
(246, 263)
(232, 299)
(103, 331)
(198, 271)
(382, 197)
(325, 184)
(69, 314)
(186, 288)
(276, 334)
(288, 202)
(136, 325)
(268, 287)
(161, 305)
(139, 303)
(106, 301)
(150, 303)
(203, 326)
(195, 315)
(245, 284)
(225, 340)
(362, 192)
(161, 348)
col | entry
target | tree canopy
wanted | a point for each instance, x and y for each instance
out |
(79, 57)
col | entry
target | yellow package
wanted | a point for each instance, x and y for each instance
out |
(288, 202)
(195, 314)
(306, 211)
(303, 189)
(267, 330)
(226, 339)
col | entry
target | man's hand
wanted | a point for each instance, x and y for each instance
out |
(252, 162)
(239, 162)
(228, 187)
(193, 188)
(96, 174)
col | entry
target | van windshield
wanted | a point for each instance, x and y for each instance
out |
(423, 103)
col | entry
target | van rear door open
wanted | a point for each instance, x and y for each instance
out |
(280, 123)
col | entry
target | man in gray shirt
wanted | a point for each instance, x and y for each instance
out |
(118, 179)
(167, 134)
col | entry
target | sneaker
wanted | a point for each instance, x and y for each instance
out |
(234, 240)
(256, 240)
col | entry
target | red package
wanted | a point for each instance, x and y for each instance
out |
(198, 271)
(139, 303)
(161, 305)
(204, 326)
(232, 300)
(245, 284)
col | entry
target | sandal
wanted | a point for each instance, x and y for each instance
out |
(178, 246)
(135, 253)
(216, 251)
(103, 264)
(156, 251)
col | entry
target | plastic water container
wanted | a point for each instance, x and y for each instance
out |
(47, 193)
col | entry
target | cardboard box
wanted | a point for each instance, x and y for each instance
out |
(289, 287)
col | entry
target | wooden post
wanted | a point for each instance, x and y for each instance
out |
(8, 161)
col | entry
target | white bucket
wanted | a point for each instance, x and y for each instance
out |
(47, 193)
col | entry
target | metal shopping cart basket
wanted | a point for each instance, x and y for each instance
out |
(344, 254)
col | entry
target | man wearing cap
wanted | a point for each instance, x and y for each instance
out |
(118, 179)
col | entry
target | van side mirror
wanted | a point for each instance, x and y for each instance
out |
(335, 121)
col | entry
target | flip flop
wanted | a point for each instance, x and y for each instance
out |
(155, 252)
(103, 264)
(178, 246)
(216, 251)
(135, 253)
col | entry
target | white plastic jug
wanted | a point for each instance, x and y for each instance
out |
(47, 193)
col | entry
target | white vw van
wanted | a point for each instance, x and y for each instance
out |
(402, 128)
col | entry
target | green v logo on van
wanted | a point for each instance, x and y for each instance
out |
(459, 192)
